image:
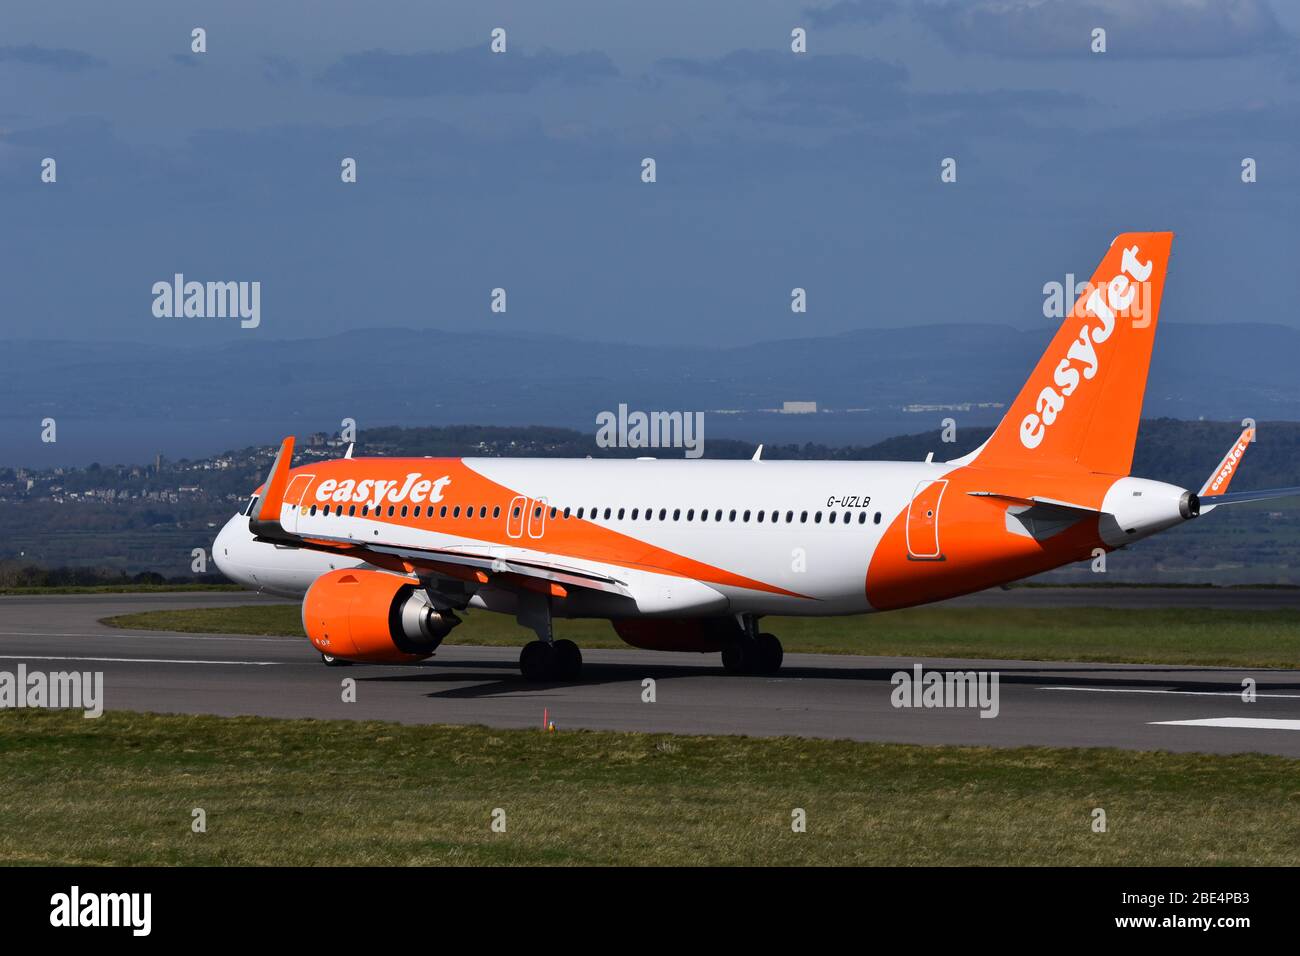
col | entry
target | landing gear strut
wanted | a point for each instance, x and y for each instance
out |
(545, 659)
(551, 661)
(752, 652)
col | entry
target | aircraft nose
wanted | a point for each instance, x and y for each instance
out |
(226, 547)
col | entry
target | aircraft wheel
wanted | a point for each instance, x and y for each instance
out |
(536, 661)
(566, 660)
(768, 654)
(735, 658)
(332, 661)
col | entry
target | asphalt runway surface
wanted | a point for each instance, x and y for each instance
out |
(1132, 706)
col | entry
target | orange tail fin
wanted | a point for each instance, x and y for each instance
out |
(1080, 407)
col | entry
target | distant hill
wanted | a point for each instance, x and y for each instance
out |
(124, 402)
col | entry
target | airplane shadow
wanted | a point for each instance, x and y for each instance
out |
(472, 679)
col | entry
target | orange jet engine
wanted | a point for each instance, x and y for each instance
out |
(373, 616)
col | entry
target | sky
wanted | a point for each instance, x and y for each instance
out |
(523, 170)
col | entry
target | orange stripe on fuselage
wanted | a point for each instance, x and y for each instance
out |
(567, 537)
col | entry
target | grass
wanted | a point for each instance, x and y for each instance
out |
(1241, 638)
(121, 790)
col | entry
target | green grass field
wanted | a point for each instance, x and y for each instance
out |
(1153, 636)
(121, 790)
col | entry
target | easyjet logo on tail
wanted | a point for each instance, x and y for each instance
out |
(1081, 361)
(416, 489)
(1230, 462)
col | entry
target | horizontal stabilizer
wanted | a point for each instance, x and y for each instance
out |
(1034, 500)
(1237, 497)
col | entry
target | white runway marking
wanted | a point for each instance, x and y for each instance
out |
(126, 660)
(1254, 723)
(1186, 693)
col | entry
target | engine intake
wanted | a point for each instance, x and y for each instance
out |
(373, 616)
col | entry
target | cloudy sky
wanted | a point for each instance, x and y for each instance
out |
(522, 170)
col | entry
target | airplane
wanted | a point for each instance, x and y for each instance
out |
(690, 555)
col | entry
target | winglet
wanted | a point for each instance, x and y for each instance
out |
(1221, 477)
(265, 522)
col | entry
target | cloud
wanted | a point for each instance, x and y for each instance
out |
(473, 70)
(64, 61)
(803, 89)
(773, 86)
(851, 11)
(1151, 28)
(279, 69)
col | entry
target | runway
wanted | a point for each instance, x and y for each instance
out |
(815, 695)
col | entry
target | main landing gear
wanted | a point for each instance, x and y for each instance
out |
(551, 661)
(545, 659)
(752, 652)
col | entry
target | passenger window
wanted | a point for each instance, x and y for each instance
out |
(832, 517)
(365, 510)
(552, 511)
(817, 518)
(607, 513)
(313, 510)
(789, 517)
(496, 511)
(690, 515)
(732, 516)
(877, 518)
(862, 517)
(803, 517)
(579, 512)
(620, 514)
(482, 511)
(442, 512)
(746, 515)
(760, 517)
(704, 514)
(403, 511)
(566, 511)
(352, 509)
(663, 513)
(455, 512)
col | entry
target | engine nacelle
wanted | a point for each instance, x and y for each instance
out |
(703, 634)
(373, 616)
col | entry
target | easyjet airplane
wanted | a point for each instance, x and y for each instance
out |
(689, 555)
